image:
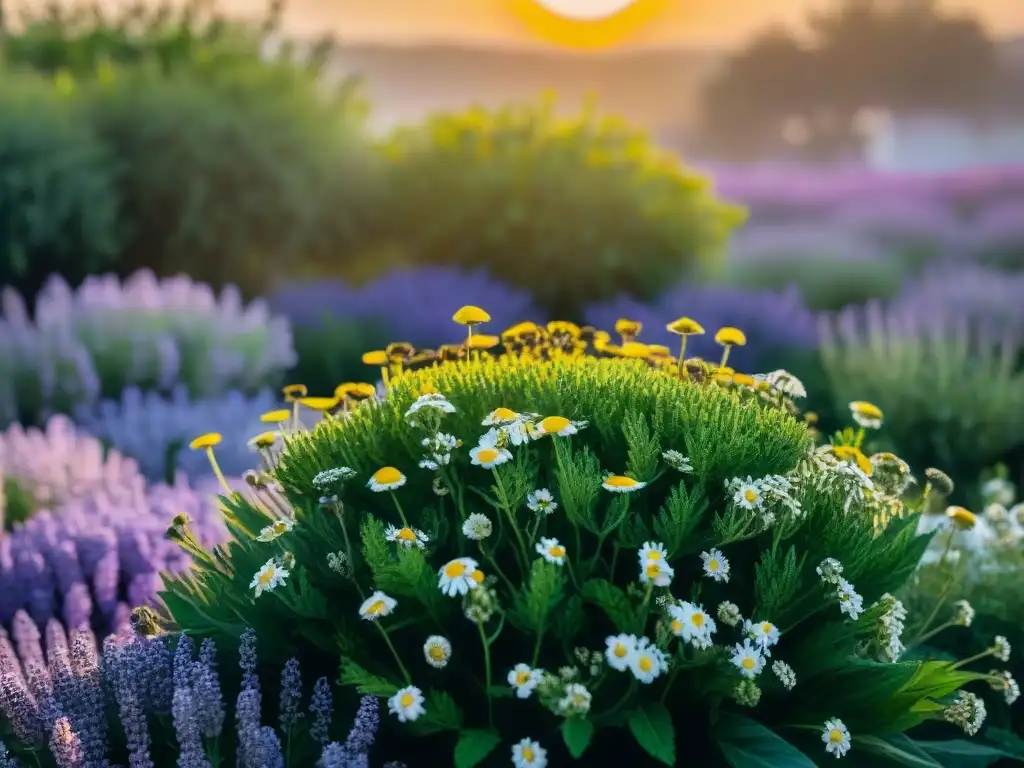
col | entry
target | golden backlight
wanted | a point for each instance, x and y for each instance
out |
(587, 23)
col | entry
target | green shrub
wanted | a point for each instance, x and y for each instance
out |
(231, 175)
(58, 197)
(720, 482)
(576, 209)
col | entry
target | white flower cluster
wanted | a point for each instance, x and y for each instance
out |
(890, 629)
(967, 712)
(850, 603)
(766, 496)
(827, 474)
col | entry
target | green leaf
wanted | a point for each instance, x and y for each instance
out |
(474, 746)
(652, 728)
(366, 683)
(613, 601)
(617, 511)
(543, 593)
(442, 714)
(746, 743)
(898, 749)
(960, 753)
(577, 733)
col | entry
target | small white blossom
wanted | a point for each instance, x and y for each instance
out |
(551, 550)
(437, 650)
(619, 650)
(377, 606)
(269, 577)
(541, 500)
(1001, 648)
(850, 603)
(647, 662)
(748, 659)
(575, 701)
(763, 633)
(407, 704)
(715, 565)
(836, 737)
(433, 401)
(477, 527)
(524, 679)
(785, 674)
(527, 753)
(729, 614)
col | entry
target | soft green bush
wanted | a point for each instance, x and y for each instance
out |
(952, 390)
(232, 175)
(58, 197)
(576, 209)
(601, 503)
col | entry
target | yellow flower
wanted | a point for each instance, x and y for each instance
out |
(203, 442)
(685, 326)
(556, 425)
(628, 329)
(386, 479)
(276, 417)
(482, 341)
(867, 415)
(634, 350)
(470, 315)
(743, 380)
(658, 350)
(293, 392)
(377, 605)
(621, 484)
(564, 328)
(730, 337)
(500, 416)
(377, 357)
(263, 440)
(962, 518)
(319, 403)
(853, 455)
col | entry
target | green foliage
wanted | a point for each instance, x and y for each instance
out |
(953, 395)
(552, 589)
(586, 202)
(58, 197)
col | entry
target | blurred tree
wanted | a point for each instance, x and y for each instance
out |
(803, 94)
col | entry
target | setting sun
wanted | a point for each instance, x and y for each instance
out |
(587, 23)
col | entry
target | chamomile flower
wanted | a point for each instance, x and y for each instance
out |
(715, 565)
(763, 633)
(406, 537)
(555, 425)
(269, 577)
(748, 495)
(437, 650)
(836, 737)
(653, 550)
(785, 674)
(487, 457)
(407, 704)
(432, 401)
(677, 461)
(691, 623)
(377, 606)
(618, 651)
(386, 479)
(276, 529)
(527, 753)
(551, 551)
(646, 661)
(477, 527)
(575, 700)
(541, 500)
(456, 577)
(621, 484)
(499, 416)
(748, 659)
(656, 572)
(524, 679)
(867, 415)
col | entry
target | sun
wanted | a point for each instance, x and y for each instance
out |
(587, 23)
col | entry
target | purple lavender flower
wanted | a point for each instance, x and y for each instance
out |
(336, 755)
(64, 745)
(428, 298)
(7, 760)
(156, 430)
(186, 727)
(183, 661)
(207, 692)
(773, 322)
(291, 695)
(121, 668)
(364, 727)
(322, 708)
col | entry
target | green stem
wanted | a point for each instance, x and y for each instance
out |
(642, 614)
(618, 704)
(220, 475)
(928, 635)
(387, 639)
(615, 559)
(487, 672)
(348, 549)
(497, 568)
(537, 644)
(597, 554)
(972, 659)
(507, 506)
(401, 512)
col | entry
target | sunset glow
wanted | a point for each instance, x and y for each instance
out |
(588, 23)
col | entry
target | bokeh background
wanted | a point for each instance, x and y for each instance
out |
(200, 203)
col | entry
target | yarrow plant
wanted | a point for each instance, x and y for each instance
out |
(554, 533)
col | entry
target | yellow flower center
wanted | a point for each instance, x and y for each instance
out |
(375, 608)
(766, 627)
(750, 495)
(387, 476)
(748, 662)
(620, 651)
(557, 551)
(698, 619)
(477, 576)
(454, 569)
(653, 569)
(436, 653)
(522, 677)
(835, 736)
(407, 534)
(267, 576)
(645, 664)
(712, 565)
(621, 481)
(677, 625)
(528, 754)
(654, 555)
(553, 424)
(503, 414)
(867, 410)
(487, 455)
(280, 527)
(406, 700)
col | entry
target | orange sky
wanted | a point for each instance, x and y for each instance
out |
(689, 22)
